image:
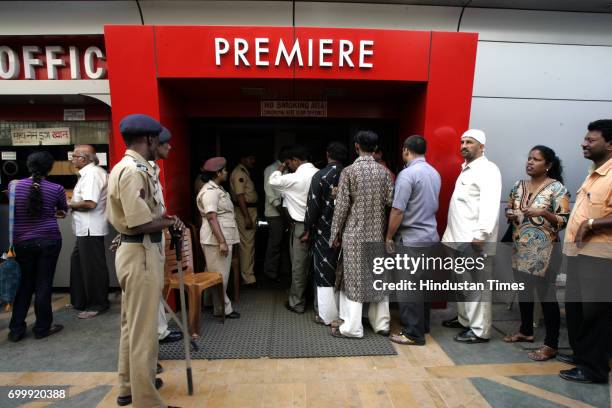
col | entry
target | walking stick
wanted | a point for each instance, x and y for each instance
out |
(176, 243)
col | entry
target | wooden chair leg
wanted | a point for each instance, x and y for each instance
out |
(221, 296)
(194, 311)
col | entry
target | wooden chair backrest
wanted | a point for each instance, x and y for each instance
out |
(172, 266)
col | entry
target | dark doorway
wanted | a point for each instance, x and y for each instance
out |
(264, 137)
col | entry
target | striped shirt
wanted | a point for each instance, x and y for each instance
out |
(45, 227)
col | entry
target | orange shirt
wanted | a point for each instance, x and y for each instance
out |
(594, 200)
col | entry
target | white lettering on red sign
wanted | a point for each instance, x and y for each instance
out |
(10, 62)
(346, 53)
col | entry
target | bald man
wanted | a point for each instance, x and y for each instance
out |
(88, 272)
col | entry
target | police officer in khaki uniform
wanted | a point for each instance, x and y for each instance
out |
(245, 203)
(219, 232)
(135, 209)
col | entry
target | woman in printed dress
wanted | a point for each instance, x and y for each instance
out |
(538, 209)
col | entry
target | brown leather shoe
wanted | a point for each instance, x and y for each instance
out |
(544, 353)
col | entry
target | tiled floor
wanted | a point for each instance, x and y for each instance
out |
(416, 377)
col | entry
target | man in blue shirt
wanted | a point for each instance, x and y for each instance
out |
(412, 223)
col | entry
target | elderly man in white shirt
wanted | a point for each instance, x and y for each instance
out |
(473, 218)
(294, 189)
(88, 273)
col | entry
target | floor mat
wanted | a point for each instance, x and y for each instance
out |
(267, 329)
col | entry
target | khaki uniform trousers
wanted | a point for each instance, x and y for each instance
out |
(247, 245)
(140, 271)
(215, 262)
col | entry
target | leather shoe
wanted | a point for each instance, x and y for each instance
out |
(577, 374)
(293, 309)
(453, 323)
(52, 330)
(384, 333)
(567, 358)
(127, 399)
(15, 337)
(172, 337)
(469, 337)
(233, 315)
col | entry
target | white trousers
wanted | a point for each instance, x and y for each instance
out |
(350, 312)
(477, 316)
(327, 302)
(162, 322)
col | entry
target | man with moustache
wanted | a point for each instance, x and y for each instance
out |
(473, 218)
(588, 246)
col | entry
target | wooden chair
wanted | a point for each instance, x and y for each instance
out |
(195, 283)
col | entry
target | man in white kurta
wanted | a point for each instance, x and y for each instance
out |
(473, 218)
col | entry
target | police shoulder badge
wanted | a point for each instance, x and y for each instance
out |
(142, 167)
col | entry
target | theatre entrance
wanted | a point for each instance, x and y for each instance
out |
(264, 137)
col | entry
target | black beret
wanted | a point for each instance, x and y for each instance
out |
(139, 124)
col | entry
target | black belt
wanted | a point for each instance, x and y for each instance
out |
(155, 237)
(249, 205)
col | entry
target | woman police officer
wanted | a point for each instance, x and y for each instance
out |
(218, 232)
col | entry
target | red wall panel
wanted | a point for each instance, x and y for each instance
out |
(447, 107)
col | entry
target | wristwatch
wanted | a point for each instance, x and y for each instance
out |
(590, 223)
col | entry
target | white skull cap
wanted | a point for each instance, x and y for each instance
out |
(476, 134)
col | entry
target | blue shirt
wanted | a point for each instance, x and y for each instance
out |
(416, 194)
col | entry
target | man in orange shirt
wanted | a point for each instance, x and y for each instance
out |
(588, 245)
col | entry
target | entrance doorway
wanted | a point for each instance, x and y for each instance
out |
(264, 137)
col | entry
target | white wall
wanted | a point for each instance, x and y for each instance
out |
(534, 84)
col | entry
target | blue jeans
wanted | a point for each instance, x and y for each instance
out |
(37, 259)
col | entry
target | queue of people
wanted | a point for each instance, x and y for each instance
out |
(329, 213)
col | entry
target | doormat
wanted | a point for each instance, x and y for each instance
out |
(267, 329)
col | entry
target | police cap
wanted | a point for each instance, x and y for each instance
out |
(215, 164)
(164, 135)
(139, 124)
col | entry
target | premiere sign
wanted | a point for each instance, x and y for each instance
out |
(27, 61)
(341, 53)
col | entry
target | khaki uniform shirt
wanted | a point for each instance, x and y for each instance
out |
(594, 200)
(213, 198)
(241, 183)
(134, 193)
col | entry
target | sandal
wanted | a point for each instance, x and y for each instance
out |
(401, 338)
(518, 338)
(337, 323)
(335, 331)
(543, 353)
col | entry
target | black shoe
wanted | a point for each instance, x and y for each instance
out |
(453, 323)
(15, 337)
(172, 337)
(251, 285)
(159, 369)
(567, 358)
(577, 374)
(469, 337)
(233, 315)
(384, 333)
(293, 309)
(127, 400)
(52, 330)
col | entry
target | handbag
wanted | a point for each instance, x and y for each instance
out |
(10, 272)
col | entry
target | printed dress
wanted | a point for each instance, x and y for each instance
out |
(365, 191)
(318, 222)
(534, 237)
